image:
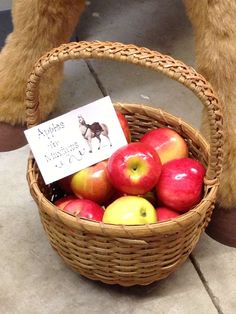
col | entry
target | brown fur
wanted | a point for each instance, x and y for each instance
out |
(40, 25)
(214, 24)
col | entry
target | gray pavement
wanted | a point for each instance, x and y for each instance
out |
(34, 280)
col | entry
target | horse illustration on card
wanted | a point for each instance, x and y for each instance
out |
(94, 130)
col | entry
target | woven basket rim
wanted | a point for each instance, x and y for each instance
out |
(141, 56)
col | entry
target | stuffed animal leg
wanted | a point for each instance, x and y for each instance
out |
(214, 24)
(39, 26)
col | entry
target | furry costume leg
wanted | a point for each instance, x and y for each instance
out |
(39, 25)
(214, 23)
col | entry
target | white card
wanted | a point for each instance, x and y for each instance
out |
(76, 140)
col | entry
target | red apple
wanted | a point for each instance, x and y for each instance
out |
(134, 168)
(125, 126)
(92, 183)
(85, 209)
(164, 213)
(63, 201)
(167, 142)
(180, 184)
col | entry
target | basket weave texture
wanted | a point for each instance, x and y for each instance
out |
(120, 254)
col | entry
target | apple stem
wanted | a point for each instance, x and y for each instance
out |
(143, 212)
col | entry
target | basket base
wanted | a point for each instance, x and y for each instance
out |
(11, 137)
(222, 226)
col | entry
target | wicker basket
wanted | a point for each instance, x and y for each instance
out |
(120, 254)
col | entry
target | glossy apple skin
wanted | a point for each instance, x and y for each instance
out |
(125, 126)
(63, 201)
(180, 184)
(85, 209)
(134, 169)
(168, 144)
(92, 183)
(130, 210)
(164, 213)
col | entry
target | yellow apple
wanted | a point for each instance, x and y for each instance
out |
(130, 210)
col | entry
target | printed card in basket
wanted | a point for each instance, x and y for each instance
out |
(76, 140)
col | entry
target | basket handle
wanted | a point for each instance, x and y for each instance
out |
(144, 57)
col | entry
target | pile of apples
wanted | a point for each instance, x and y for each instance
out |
(142, 182)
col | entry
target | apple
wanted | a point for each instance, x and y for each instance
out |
(134, 169)
(167, 142)
(85, 209)
(92, 183)
(180, 185)
(63, 201)
(125, 126)
(130, 210)
(164, 213)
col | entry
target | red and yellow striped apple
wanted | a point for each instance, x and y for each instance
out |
(167, 142)
(180, 185)
(92, 183)
(134, 169)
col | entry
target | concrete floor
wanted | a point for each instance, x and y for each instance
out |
(34, 280)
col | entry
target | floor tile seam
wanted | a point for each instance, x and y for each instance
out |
(96, 78)
(204, 281)
(192, 259)
(94, 73)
